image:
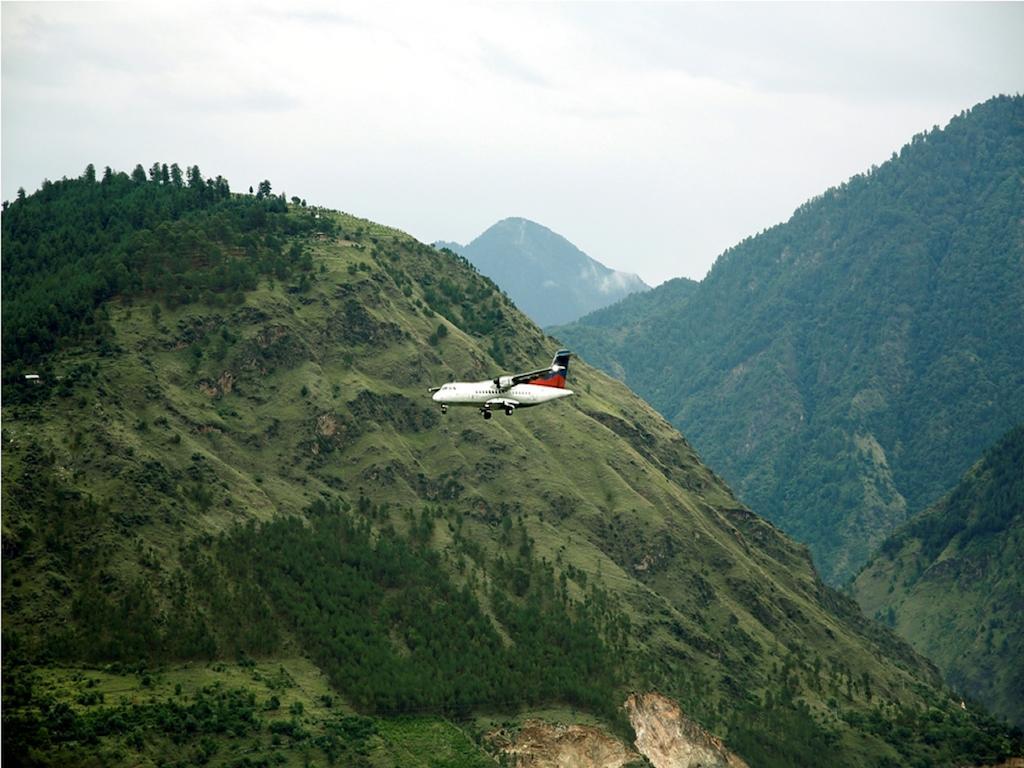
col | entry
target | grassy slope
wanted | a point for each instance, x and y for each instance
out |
(952, 584)
(291, 697)
(185, 432)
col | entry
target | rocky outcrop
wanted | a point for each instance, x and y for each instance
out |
(669, 739)
(547, 745)
(665, 736)
(223, 386)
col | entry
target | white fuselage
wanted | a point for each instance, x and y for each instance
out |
(481, 393)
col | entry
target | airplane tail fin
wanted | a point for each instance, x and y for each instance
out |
(559, 372)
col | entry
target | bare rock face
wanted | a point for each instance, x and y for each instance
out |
(547, 745)
(664, 736)
(669, 739)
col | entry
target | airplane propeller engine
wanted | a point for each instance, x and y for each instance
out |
(504, 382)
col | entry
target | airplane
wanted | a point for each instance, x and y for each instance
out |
(522, 390)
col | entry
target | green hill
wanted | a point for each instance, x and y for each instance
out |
(951, 581)
(843, 369)
(548, 278)
(236, 530)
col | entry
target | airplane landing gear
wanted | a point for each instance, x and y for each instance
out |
(508, 411)
(486, 412)
(444, 409)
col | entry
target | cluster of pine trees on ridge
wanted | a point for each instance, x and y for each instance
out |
(78, 242)
(841, 370)
(197, 483)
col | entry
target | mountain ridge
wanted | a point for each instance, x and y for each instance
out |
(843, 368)
(950, 581)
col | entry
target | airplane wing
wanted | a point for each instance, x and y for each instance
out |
(519, 378)
(557, 371)
(506, 382)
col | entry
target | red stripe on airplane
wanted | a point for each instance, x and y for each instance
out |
(554, 381)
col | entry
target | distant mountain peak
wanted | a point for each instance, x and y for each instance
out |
(547, 276)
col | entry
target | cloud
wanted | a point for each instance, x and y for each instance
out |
(873, 50)
(657, 134)
(504, 64)
(311, 15)
(617, 282)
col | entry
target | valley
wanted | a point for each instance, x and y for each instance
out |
(231, 467)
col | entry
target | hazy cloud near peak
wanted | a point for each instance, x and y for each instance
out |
(653, 136)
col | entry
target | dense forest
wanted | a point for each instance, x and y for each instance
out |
(843, 369)
(385, 621)
(983, 505)
(77, 242)
(376, 609)
(951, 580)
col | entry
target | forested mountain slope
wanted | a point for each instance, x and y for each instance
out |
(843, 369)
(606, 333)
(951, 581)
(547, 277)
(237, 531)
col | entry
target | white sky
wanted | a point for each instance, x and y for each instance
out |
(653, 136)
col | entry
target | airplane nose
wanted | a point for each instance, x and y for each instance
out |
(437, 397)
